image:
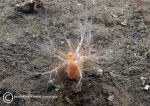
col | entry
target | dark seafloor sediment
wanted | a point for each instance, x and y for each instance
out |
(117, 27)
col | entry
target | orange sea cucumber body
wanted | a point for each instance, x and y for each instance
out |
(73, 71)
(72, 68)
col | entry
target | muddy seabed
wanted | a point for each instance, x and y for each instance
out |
(118, 27)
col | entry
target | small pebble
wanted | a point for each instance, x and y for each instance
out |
(62, 42)
(124, 23)
(147, 87)
(143, 80)
(110, 98)
(99, 71)
(27, 8)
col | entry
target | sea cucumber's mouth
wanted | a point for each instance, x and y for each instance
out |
(70, 56)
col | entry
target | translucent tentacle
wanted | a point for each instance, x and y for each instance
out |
(69, 44)
(81, 41)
